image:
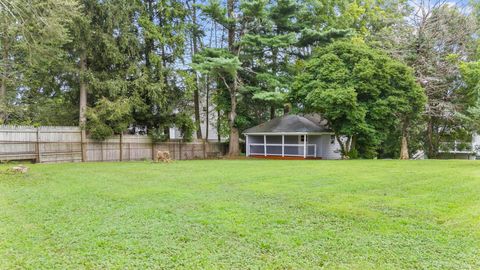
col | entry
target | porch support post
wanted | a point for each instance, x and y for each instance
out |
(305, 146)
(265, 145)
(283, 145)
(247, 146)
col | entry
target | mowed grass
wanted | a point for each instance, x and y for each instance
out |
(242, 214)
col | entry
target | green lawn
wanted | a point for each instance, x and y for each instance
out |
(239, 214)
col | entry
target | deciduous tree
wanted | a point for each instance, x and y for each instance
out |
(362, 93)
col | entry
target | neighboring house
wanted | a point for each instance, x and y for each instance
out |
(292, 136)
(460, 149)
(176, 134)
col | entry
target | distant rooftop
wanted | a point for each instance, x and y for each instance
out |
(289, 124)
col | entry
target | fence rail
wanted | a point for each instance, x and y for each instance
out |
(65, 144)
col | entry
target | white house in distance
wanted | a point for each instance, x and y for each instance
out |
(292, 136)
(176, 134)
(461, 149)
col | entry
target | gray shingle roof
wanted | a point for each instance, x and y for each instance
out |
(288, 124)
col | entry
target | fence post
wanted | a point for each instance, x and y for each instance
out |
(121, 142)
(180, 150)
(37, 146)
(204, 149)
(83, 147)
(153, 150)
(129, 152)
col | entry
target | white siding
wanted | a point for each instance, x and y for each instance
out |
(476, 143)
(325, 149)
(331, 151)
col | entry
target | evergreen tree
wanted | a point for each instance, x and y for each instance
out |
(32, 59)
(268, 54)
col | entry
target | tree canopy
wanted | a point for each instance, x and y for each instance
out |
(362, 93)
(369, 67)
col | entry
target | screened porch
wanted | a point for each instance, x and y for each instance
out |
(281, 145)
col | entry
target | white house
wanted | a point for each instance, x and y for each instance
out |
(461, 149)
(292, 136)
(176, 134)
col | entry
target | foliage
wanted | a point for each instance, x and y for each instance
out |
(32, 37)
(108, 118)
(217, 63)
(186, 126)
(470, 115)
(158, 134)
(235, 58)
(438, 37)
(362, 93)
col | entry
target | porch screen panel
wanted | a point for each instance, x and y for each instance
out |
(293, 150)
(257, 150)
(274, 150)
(298, 150)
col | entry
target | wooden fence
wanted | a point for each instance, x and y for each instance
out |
(64, 144)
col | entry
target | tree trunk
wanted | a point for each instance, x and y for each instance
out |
(286, 109)
(196, 99)
(353, 143)
(219, 137)
(83, 91)
(207, 112)
(343, 147)
(83, 104)
(234, 148)
(234, 144)
(3, 85)
(404, 148)
(346, 146)
(430, 138)
(274, 71)
(149, 45)
(404, 143)
(231, 27)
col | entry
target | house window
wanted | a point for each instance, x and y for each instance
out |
(332, 139)
(301, 139)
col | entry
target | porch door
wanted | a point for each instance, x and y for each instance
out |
(301, 141)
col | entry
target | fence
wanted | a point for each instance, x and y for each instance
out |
(64, 144)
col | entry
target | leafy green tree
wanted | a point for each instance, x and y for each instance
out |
(362, 93)
(470, 113)
(32, 37)
(433, 41)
